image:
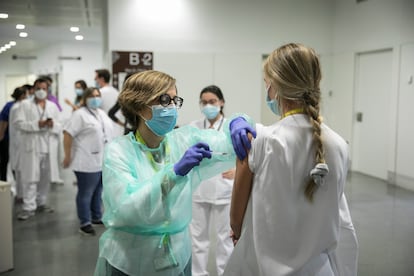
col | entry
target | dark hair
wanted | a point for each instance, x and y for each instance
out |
(40, 80)
(18, 92)
(47, 78)
(103, 73)
(27, 86)
(82, 84)
(216, 91)
(87, 93)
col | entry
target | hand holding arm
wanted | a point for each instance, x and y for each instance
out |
(239, 129)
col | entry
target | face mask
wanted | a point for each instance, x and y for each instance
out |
(210, 111)
(94, 102)
(30, 97)
(163, 119)
(97, 84)
(40, 94)
(272, 103)
(79, 91)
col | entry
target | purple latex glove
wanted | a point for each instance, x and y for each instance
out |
(239, 128)
(191, 158)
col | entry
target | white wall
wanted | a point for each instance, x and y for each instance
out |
(10, 67)
(369, 26)
(204, 42)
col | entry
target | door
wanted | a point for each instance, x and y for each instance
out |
(372, 113)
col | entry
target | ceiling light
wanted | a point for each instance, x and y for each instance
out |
(79, 37)
(7, 46)
(23, 34)
(3, 48)
(20, 26)
(4, 15)
(74, 29)
(12, 43)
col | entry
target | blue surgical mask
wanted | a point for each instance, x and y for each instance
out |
(210, 111)
(30, 97)
(79, 91)
(97, 84)
(272, 103)
(94, 102)
(163, 119)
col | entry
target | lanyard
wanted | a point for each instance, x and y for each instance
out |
(164, 152)
(292, 112)
(99, 121)
(41, 113)
(221, 123)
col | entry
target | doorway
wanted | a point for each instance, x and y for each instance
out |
(371, 122)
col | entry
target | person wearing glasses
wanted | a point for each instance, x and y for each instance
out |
(211, 200)
(149, 175)
(84, 138)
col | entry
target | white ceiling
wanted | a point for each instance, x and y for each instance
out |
(48, 22)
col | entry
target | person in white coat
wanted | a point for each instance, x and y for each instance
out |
(109, 96)
(288, 195)
(211, 200)
(15, 146)
(84, 138)
(38, 121)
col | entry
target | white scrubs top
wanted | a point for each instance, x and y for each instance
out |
(91, 130)
(283, 233)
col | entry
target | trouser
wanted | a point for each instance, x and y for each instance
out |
(4, 158)
(35, 193)
(202, 215)
(19, 184)
(88, 198)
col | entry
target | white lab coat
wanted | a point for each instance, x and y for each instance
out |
(211, 200)
(283, 233)
(27, 121)
(90, 130)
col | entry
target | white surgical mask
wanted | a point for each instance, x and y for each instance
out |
(40, 94)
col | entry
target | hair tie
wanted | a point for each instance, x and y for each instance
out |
(318, 173)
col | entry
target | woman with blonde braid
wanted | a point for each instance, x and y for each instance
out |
(288, 190)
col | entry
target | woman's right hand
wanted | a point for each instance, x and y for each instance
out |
(191, 158)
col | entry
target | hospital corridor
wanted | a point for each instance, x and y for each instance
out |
(49, 244)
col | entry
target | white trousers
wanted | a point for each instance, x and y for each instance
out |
(35, 193)
(203, 215)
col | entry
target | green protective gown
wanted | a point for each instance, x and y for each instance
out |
(147, 207)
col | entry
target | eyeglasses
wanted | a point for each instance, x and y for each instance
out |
(165, 100)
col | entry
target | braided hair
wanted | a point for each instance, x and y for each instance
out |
(294, 72)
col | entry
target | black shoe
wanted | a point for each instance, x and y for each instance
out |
(97, 222)
(87, 230)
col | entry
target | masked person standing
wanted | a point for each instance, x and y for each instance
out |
(38, 121)
(148, 178)
(288, 210)
(212, 198)
(84, 137)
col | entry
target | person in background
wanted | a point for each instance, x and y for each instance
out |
(84, 138)
(50, 95)
(288, 191)
(80, 87)
(113, 113)
(109, 95)
(38, 121)
(148, 179)
(4, 131)
(30, 90)
(15, 144)
(212, 198)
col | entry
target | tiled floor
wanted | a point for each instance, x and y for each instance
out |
(49, 244)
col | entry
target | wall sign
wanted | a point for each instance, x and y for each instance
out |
(125, 63)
